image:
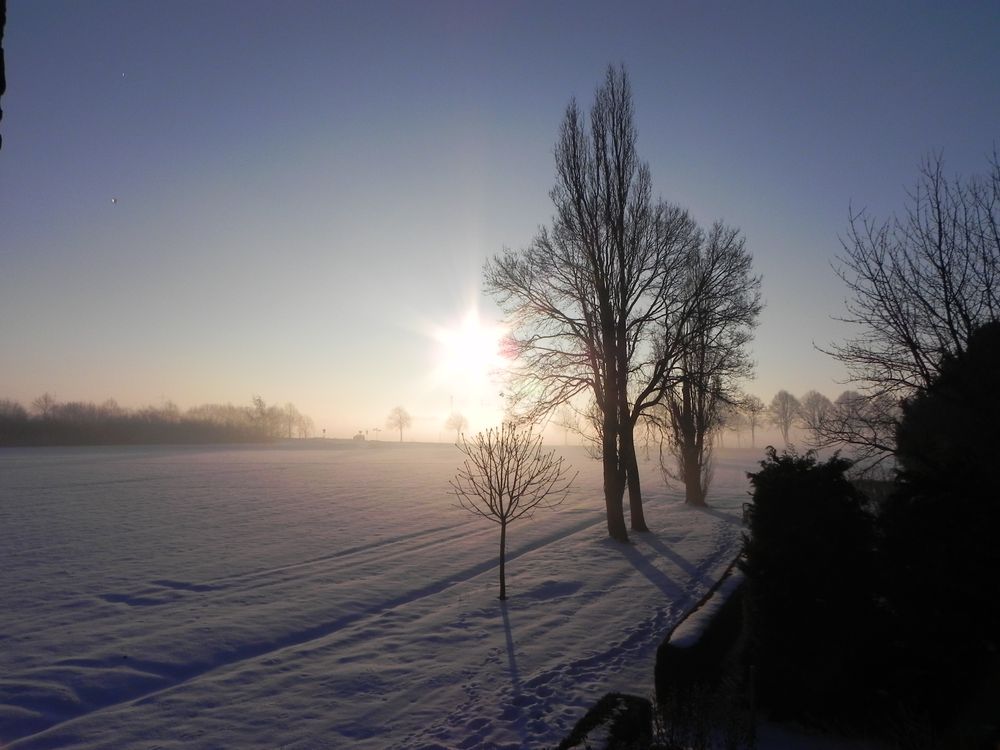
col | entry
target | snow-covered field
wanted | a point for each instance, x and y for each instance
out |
(325, 595)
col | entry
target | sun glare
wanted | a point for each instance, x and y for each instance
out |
(469, 354)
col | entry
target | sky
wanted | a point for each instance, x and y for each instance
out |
(205, 201)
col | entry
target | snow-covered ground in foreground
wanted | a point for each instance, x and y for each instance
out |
(325, 596)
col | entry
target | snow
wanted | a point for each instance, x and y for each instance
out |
(326, 594)
(689, 632)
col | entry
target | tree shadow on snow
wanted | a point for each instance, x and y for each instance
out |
(517, 698)
(656, 576)
(683, 563)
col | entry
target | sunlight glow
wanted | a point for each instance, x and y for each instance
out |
(469, 357)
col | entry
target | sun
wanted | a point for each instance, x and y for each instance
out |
(469, 355)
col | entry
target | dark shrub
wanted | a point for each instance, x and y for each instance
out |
(811, 613)
(626, 721)
(940, 556)
(947, 437)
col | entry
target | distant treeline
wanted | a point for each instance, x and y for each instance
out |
(49, 422)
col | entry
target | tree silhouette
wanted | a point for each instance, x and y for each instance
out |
(506, 476)
(456, 422)
(783, 411)
(754, 410)
(398, 419)
(814, 410)
(587, 295)
(108, 423)
(44, 405)
(734, 420)
(921, 283)
(714, 336)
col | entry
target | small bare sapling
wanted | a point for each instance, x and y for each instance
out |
(506, 476)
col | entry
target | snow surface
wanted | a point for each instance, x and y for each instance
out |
(326, 595)
(689, 632)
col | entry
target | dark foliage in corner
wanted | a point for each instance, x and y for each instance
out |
(895, 611)
(947, 434)
(626, 721)
(938, 535)
(810, 565)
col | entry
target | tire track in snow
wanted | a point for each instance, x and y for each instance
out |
(41, 732)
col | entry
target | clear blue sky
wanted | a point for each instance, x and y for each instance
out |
(304, 192)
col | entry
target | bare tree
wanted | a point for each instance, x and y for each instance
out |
(783, 411)
(291, 417)
(267, 420)
(399, 419)
(12, 411)
(814, 410)
(506, 476)
(920, 283)
(754, 410)
(585, 298)
(110, 409)
(734, 420)
(44, 405)
(458, 423)
(296, 424)
(867, 422)
(716, 333)
(305, 426)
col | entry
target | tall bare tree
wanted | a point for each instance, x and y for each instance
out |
(586, 296)
(754, 410)
(456, 422)
(783, 411)
(506, 476)
(814, 410)
(398, 419)
(920, 283)
(865, 421)
(716, 333)
(44, 405)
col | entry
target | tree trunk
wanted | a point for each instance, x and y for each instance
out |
(631, 465)
(503, 554)
(694, 493)
(614, 487)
